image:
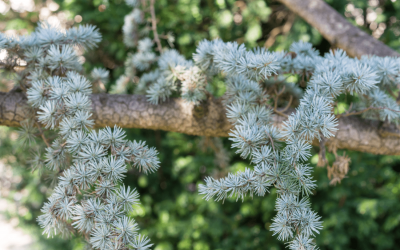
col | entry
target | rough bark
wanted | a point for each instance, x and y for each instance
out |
(337, 30)
(209, 119)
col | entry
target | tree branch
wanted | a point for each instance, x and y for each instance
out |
(154, 26)
(285, 28)
(337, 30)
(208, 119)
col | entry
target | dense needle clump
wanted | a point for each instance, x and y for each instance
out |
(91, 164)
(279, 155)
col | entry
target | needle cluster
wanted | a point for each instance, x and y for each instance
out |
(91, 164)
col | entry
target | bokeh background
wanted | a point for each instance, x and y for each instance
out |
(362, 212)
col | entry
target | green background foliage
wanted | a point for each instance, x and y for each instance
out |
(359, 213)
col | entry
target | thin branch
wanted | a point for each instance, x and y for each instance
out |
(322, 152)
(276, 98)
(154, 26)
(365, 110)
(391, 92)
(277, 94)
(273, 146)
(279, 30)
(280, 113)
(42, 134)
(288, 105)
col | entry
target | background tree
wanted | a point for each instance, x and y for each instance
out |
(250, 205)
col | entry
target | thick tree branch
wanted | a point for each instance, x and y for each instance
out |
(337, 30)
(209, 119)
